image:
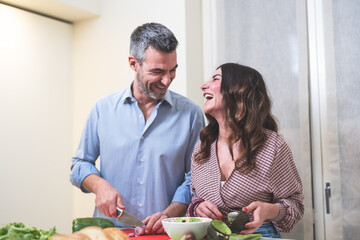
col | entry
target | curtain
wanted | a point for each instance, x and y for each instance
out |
(271, 37)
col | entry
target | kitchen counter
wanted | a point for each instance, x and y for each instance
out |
(147, 237)
(166, 237)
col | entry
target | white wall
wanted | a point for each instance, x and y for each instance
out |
(46, 96)
(35, 116)
(101, 49)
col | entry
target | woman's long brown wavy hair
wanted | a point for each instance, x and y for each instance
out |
(248, 114)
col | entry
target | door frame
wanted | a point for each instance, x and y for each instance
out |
(325, 156)
(317, 76)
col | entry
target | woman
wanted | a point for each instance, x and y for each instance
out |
(240, 162)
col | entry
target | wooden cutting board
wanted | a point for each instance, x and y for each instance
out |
(146, 237)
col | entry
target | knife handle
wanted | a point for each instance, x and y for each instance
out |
(119, 211)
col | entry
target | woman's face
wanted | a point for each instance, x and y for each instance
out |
(213, 95)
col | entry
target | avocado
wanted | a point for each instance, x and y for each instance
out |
(235, 236)
(218, 230)
(237, 221)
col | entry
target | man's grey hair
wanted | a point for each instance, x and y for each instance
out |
(153, 35)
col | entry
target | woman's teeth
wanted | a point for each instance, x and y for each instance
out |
(208, 96)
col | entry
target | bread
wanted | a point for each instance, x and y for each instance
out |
(63, 237)
(93, 233)
(116, 233)
(96, 233)
(80, 236)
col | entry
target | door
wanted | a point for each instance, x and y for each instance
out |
(36, 112)
(334, 59)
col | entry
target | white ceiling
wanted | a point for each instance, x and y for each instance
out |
(71, 11)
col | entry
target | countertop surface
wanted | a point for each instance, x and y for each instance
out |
(147, 237)
(166, 237)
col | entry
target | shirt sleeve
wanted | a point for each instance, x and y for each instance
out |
(287, 188)
(183, 193)
(83, 162)
(191, 211)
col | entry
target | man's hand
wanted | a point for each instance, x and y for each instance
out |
(209, 210)
(107, 197)
(261, 212)
(153, 222)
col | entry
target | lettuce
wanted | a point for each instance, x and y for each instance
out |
(17, 231)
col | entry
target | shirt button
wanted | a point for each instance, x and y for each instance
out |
(140, 116)
(141, 182)
(140, 205)
(141, 159)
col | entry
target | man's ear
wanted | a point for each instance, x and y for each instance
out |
(133, 63)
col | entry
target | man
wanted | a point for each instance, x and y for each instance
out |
(144, 136)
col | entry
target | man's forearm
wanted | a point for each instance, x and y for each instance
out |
(176, 209)
(92, 182)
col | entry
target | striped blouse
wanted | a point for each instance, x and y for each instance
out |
(273, 180)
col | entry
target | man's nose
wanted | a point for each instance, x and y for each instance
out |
(166, 79)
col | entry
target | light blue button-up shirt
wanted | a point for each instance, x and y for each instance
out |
(148, 163)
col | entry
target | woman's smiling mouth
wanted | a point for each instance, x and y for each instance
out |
(208, 96)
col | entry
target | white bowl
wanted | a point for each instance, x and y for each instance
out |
(177, 229)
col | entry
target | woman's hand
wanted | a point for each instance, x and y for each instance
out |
(261, 211)
(209, 210)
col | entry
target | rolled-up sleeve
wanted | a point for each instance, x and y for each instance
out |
(83, 162)
(183, 193)
(287, 188)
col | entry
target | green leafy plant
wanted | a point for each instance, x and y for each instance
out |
(17, 231)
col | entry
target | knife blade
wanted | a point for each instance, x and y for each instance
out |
(128, 219)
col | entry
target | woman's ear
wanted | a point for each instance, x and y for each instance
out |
(133, 63)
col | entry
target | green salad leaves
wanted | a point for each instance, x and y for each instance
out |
(17, 231)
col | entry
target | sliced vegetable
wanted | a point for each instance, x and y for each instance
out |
(140, 230)
(188, 236)
(80, 223)
(189, 219)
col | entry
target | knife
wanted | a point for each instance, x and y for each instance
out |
(128, 219)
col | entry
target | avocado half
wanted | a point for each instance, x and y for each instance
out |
(237, 221)
(218, 230)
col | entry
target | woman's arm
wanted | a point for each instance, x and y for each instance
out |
(287, 189)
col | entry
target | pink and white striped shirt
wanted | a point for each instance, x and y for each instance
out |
(273, 180)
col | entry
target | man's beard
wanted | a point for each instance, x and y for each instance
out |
(147, 89)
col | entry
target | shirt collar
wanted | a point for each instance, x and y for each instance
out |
(168, 98)
(129, 98)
